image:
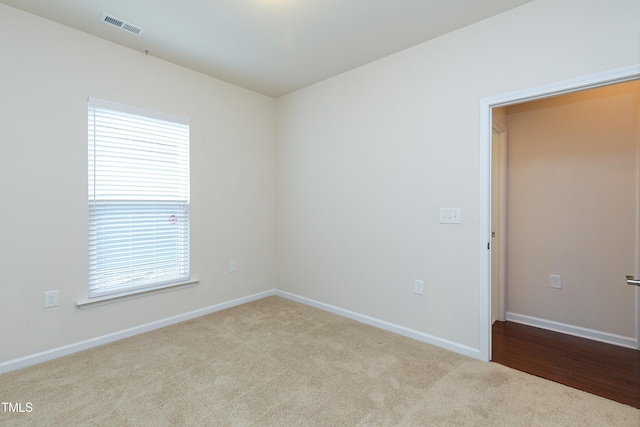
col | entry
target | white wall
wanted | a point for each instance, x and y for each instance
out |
(47, 71)
(366, 159)
(572, 197)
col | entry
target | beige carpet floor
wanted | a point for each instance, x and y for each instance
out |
(274, 362)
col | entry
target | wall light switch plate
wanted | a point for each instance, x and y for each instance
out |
(450, 216)
(418, 287)
(556, 281)
(232, 266)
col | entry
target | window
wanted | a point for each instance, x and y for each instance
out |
(138, 199)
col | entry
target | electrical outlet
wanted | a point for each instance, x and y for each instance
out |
(50, 299)
(556, 281)
(232, 266)
(418, 287)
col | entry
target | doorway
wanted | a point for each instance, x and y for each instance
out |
(521, 336)
(572, 163)
(487, 105)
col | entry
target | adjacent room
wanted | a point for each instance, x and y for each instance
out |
(308, 186)
(560, 164)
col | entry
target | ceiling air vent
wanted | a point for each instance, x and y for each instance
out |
(123, 25)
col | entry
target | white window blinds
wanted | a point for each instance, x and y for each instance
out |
(138, 199)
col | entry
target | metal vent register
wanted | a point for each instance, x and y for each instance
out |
(123, 25)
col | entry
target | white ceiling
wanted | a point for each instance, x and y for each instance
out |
(270, 46)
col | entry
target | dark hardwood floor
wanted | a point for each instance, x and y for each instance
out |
(603, 369)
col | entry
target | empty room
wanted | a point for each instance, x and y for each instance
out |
(278, 212)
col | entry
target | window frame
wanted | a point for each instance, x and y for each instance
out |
(174, 164)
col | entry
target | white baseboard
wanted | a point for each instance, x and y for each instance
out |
(23, 362)
(387, 326)
(574, 330)
(33, 359)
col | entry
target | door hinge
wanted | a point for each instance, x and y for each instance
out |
(488, 245)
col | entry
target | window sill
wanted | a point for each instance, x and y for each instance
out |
(85, 303)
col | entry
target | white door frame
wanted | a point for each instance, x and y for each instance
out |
(484, 216)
